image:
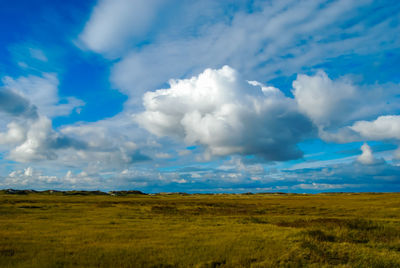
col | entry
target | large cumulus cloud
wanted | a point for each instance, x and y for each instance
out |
(227, 115)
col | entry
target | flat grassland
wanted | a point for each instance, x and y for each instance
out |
(260, 230)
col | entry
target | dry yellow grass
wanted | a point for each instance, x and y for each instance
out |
(263, 230)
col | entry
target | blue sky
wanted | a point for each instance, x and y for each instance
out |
(200, 96)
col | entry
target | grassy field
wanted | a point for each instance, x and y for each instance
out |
(262, 230)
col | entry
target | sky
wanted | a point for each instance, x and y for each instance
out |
(200, 96)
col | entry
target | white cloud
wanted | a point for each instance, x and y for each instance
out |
(323, 186)
(34, 139)
(28, 172)
(111, 143)
(334, 104)
(366, 156)
(28, 178)
(179, 181)
(325, 101)
(36, 144)
(16, 133)
(38, 54)
(114, 23)
(237, 164)
(384, 127)
(29, 135)
(35, 178)
(42, 91)
(223, 112)
(163, 155)
(27, 103)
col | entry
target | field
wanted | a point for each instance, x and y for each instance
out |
(176, 230)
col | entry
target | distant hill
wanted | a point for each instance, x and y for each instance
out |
(56, 192)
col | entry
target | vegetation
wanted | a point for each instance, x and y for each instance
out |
(58, 229)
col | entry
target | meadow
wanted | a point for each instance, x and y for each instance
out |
(178, 230)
